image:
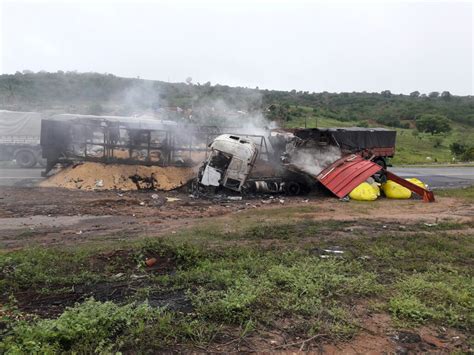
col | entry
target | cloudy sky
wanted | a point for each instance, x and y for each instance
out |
(316, 46)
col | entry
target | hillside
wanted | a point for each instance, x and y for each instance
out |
(93, 93)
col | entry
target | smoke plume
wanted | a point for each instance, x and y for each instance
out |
(314, 160)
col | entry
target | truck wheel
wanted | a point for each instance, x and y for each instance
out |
(292, 188)
(381, 162)
(25, 159)
(379, 176)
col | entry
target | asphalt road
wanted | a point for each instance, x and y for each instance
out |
(434, 177)
(439, 177)
(20, 177)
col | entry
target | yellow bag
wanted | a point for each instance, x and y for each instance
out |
(363, 192)
(417, 182)
(393, 190)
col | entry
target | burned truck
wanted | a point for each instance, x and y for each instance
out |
(294, 158)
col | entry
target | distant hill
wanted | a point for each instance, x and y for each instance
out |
(93, 93)
(108, 94)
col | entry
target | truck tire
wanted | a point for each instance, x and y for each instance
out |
(380, 176)
(292, 188)
(381, 161)
(25, 159)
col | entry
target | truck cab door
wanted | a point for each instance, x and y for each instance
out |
(236, 174)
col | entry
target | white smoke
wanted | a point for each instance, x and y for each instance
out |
(314, 160)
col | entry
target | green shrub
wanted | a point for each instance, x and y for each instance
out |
(87, 328)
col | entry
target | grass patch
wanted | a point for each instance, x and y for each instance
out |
(243, 288)
(466, 193)
(44, 267)
(435, 295)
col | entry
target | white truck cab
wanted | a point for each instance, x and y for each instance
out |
(229, 163)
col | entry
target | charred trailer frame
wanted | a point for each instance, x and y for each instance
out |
(71, 138)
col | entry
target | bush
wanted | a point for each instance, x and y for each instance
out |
(86, 328)
(457, 148)
(468, 155)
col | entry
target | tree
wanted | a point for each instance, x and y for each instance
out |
(446, 95)
(386, 93)
(415, 94)
(433, 123)
(433, 94)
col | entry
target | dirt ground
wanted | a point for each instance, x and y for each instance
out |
(53, 216)
(50, 216)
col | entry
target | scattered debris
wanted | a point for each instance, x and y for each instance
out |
(150, 262)
(430, 224)
(234, 198)
(334, 250)
(172, 199)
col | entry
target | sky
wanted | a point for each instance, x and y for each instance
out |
(400, 46)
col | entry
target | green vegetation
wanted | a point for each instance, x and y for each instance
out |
(466, 193)
(412, 147)
(437, 295)
(273, 274)
(100, 327)
(427, 124)
(432, 123)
